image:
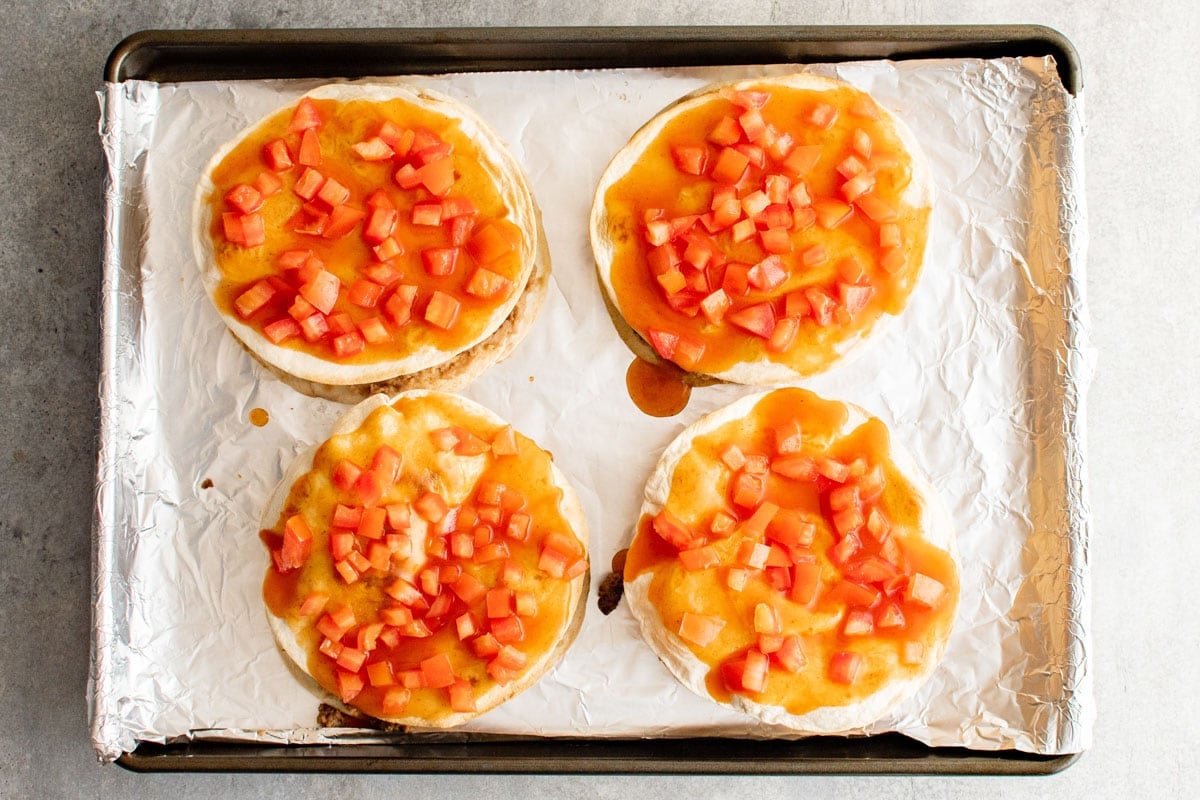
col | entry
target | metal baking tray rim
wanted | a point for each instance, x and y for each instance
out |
(188, 55)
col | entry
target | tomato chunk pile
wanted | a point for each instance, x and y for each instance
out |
(838, 555)
(423, 254)
(765, 259)
(473, 573)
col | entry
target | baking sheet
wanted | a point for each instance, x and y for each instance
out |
(981, 379)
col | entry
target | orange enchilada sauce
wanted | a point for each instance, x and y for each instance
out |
(407, 609)
(874, 580)
(791, 262)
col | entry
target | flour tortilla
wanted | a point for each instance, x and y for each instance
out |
(427, 367)
(919, 194)
(287, 636)
(935, 524)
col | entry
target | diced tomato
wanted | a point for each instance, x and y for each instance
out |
(753, 554)
(276, 154)
(487, 284)
(806, 580)
(699, 558)
(297, 544)
(747, 491)
(854, 297)
(348, 344)
(508, 629)
(845, 667)
(672, 281)
(756, 155)
(727, 132)
(364, 293)
(858, 622)
(878, 525)
(752, 124)
(722, 524)
(397, 138)
(379, 225)
(350, 685)
(892, 260)
(437, 176)
(310, 149)
(672, 530)
(351, 659)
(924, 590)
(374, 330)
(553, 562)
(244, 197)
(875, 209)
(498, 603)
(437, 671)
(784, 335)
(305, 116)
(790, 655)
(431, 507)
(731, 165)
(850, 167)
(732, 456)
(690, 159)
(700, 629)
(341, 324)
(406, 177)
(495, 551)
(460, 229)
(821, 303)
(736, 578)
(398, 517)
(388, 249)
(399, 306)
(525, 604)
(442, 310)
(756, 319)
(373, 149)
(268, 183)
(341, 543)
(754, 677)
(254, 298)
(766, 620)
(428, 214)
(332, 193)
(314, 603)
(469, 444)
(889, 616)
(342, 220)
(789, 528)
(370, 522)
(768, 274)
(756, 525)
(831, 213)
(309, 183)
(803, 218)
(663, 342)
(314, 327)
(889, 234)
(858, 186)
(743, 230)
(439, 261)
(462, 697)
(802, 160)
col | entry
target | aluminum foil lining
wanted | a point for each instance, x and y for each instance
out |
(982, 379)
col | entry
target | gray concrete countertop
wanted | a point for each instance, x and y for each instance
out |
(1142, 95)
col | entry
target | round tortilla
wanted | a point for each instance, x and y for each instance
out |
(287, 634)
(691, 671)
(428, 367)
(919, 194)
